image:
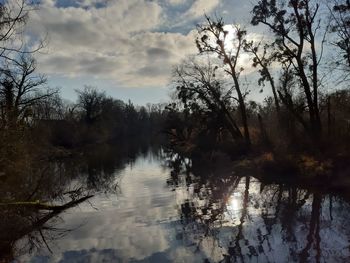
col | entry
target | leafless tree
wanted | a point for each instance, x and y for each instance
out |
(296, 25)
(20, 89)
(13, 18)
(340, 13)
(213, 39)
(197, 83)
(90, 101)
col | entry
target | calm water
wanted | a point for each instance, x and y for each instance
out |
(150, 206)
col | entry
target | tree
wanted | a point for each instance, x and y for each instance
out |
(263, 60)
(199, 89)
(296, 26)
(213, 39)
(90, 101)
(20, 89)
(49, 108)
(19, 84)
(13, 16)
(340, 13)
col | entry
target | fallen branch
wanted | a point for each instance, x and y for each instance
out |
(43, 206)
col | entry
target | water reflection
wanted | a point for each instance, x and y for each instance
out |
(149, 205)
(35, 193)
(239, 219)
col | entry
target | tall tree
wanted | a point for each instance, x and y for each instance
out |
(296, 26)
(198, 87)
(213, 39)
(263, 60)
(20, 85)
(340, 12)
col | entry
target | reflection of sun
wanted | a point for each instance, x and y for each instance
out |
(233, 208)
(233, 203)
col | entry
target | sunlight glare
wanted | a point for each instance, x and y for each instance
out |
(233, 204)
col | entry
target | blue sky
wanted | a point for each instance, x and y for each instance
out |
(124, 47)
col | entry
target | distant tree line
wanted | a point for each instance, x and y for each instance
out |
(95, 118)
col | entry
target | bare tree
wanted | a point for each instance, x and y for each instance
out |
(340, 13)
(197, 84)
(20, 86)
(213, 39)
(262, 59)
(296, 26)
(48, 108)
(90, 101)
(13, 18)
(20, 89)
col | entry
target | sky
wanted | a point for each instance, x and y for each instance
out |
(126, 48)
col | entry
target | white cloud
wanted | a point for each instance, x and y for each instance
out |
(118, 41)
(200, 7)
(195, 12)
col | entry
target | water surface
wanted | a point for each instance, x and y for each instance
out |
(154, 206)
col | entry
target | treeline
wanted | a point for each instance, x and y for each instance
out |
(94, 118)
(302, 58)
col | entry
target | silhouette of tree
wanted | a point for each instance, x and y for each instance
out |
(340, 13)
(296, 25)
(199, 89)
(13, 17)
(90, 101)
(263, 60)
(20, 89)
(214, 32)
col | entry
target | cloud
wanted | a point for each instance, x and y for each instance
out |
(156, 52)
(117, 40)
(189, 13)
(200, 7)
(176, 2)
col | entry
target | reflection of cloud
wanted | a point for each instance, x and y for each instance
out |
(143, 224)
(86, 256)
(115, 255)
(137, 225)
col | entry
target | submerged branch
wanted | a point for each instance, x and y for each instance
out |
(43, 206)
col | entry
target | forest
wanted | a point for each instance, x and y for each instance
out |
(299, 134)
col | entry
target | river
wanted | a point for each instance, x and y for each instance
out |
(159, 207)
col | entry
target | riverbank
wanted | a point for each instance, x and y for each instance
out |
(305, 171)
(323, 173)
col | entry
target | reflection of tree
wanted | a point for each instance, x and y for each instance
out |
(36, 189)
(98, 165)
(202, 213)
(33, 193)
(236, 250)
(267, 222)
(29, 221)
(314, 230)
